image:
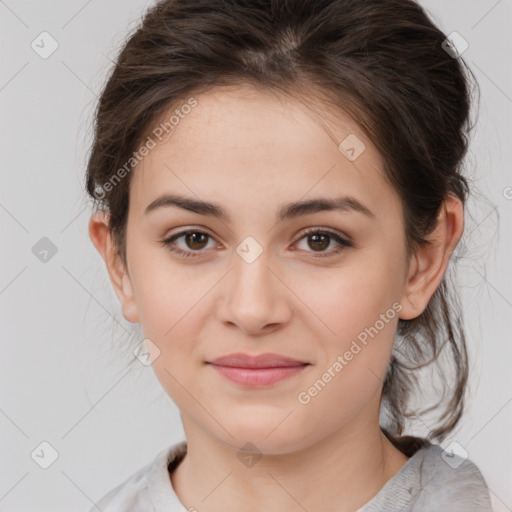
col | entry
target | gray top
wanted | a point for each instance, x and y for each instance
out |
(430, 481)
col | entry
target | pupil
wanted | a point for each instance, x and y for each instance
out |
(192, 238)
(321, 236)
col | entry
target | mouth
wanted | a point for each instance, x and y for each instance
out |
(257, 371)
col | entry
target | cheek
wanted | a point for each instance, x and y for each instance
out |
(352, 299)
(165, 293)
(362, 324)
(172, 307)
(352, 362)
(357, 311)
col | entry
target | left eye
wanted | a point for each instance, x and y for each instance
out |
(196, 242)
(319, 240)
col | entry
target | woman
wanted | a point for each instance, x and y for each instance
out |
(279, 192)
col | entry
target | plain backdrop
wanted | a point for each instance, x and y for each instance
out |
(64, 381)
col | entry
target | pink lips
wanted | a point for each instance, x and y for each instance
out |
(257, 371)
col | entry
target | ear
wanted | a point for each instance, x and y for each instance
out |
(101, 237)
(429, 262)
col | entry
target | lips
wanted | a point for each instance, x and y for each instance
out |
(257, 371)
(240, 360)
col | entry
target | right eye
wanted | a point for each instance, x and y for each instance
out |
(194, 241)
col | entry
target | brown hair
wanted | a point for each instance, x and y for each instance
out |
(382, 62)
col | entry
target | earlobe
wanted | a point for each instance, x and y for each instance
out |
(430, 261)
(101, 237)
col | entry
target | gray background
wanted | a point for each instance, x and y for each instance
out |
(63, 378)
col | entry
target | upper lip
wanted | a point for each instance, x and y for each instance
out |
(240, 360)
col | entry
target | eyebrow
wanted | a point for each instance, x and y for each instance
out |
(287, 211)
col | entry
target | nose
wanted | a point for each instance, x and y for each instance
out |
(255, 298)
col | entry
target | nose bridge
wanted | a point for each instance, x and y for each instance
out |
(251, 276)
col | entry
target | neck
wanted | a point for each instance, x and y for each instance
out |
(340, 472)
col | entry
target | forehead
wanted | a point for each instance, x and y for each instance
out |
(259, 147)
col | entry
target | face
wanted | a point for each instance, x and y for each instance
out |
(319, 286)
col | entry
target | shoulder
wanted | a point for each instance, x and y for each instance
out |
(433, 480)
(136, 492)
(450, 482)
(129, 495)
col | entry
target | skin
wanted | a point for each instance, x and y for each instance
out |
(252, 151)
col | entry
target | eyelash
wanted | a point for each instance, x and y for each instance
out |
(311, 231)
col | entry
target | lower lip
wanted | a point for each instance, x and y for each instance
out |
(257, 377)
